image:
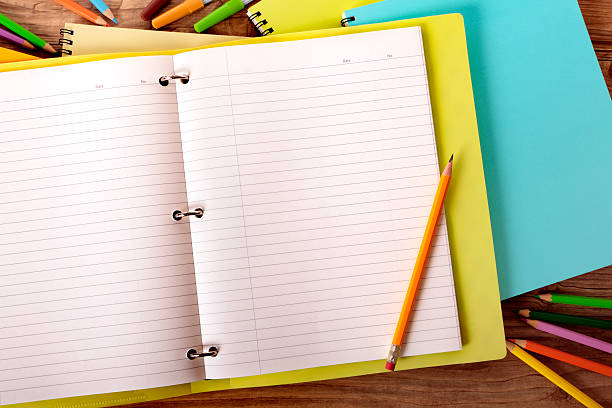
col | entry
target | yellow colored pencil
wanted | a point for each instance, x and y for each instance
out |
(419, 265)
(552, 376)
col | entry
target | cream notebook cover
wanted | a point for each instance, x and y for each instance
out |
(83, 39)
(309, 174)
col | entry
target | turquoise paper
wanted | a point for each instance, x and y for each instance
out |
(545, 124)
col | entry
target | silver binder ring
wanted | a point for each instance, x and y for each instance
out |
(178, 214)
(192, 354)
(164, 80)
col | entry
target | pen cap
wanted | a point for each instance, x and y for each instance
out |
(177, 12)
(220, 14)
(152, 8)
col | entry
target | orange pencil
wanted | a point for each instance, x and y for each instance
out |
(563, 356)
(419, 265)
(83, 12)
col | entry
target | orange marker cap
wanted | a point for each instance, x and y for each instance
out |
(185, 8)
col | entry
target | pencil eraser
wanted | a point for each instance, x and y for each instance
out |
(390, 366)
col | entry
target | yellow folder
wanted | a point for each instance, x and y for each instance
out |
(467, 215)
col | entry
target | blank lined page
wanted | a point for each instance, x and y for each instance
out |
(315, 162)
(97, 280)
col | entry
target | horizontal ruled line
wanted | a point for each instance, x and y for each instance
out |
(101, 337)
(114, 346)
(73, 112)
(100, 327)
(109, 378)
(88, 91)
(368, 71)
(79, 123)
(319, 86)
(95, 359)
(80, 132)
(304, 108)
(84, 162)
(105, 315)
(99, 295)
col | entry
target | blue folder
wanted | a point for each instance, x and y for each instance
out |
(545, 124)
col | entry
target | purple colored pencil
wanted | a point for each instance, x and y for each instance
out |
(7, 35)
(570, 335)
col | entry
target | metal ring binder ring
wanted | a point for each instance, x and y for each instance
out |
(268, 31)
(63, 41)
(66, 31)
(164, 80)
(192, 354)
(178, 214)
(346, 20)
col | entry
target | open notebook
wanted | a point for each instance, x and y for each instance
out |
(315, 165)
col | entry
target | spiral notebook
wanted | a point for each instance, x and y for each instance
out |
(282, 16)
(266, 215)
(83, 39)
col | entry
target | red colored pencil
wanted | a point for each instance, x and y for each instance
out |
(563, 356)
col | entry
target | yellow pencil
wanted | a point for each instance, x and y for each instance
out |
(419, 265)
(552, 376)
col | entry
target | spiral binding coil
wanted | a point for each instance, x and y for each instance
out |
(65, 41)
(213, 351)
(179, 215)
(164, 80)
(260, 24)
(346, 20)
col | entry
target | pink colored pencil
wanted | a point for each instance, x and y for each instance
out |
(570, 335)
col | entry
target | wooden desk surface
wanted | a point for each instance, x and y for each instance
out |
(504, 383)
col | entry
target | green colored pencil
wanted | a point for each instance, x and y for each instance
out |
(25, 34)
(563, 318)
(576, 300)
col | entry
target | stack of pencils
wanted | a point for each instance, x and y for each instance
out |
(15, 33)
(541, 320)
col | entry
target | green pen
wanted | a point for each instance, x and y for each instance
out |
(220, 14)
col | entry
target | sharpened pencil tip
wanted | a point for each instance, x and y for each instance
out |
(115, 21)
(49, 48)
(451, 159)
(536, 296)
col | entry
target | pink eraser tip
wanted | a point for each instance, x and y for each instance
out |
(390, 366)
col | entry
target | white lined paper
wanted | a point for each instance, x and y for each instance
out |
(316, 171)
(96, 276)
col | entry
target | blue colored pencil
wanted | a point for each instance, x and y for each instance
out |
(104, 9)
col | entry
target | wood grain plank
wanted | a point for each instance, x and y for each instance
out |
(598, 18)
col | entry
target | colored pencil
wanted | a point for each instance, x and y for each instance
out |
(83, 12)
(570, 335)
(563, 356)
(9, 36)
(419, 265)
(564, 318)
(552, 376)
(576, 300)
(25, 34)
(104, 9)
(177, 12)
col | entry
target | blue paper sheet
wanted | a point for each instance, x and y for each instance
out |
(545, 123)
